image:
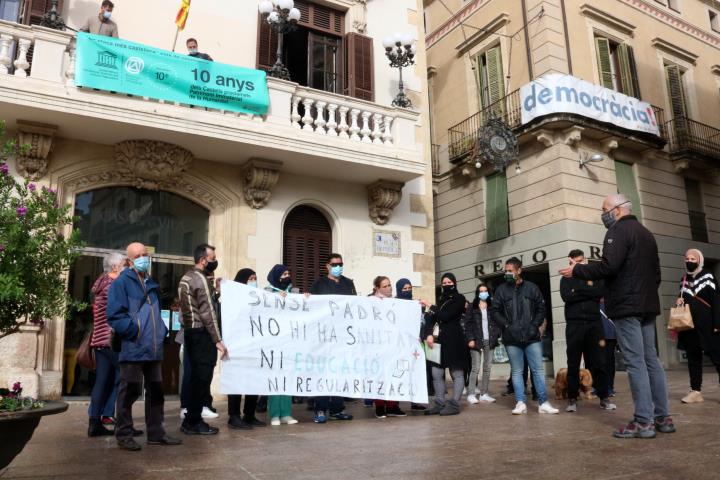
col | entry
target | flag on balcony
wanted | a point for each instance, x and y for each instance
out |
(182, 14)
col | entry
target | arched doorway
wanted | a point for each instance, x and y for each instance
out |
(108, 220)
(307, 241)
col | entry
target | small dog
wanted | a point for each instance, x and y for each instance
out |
(561, 384)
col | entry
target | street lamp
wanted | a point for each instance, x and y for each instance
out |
(52, 18)
(400, 50)
(282, 16)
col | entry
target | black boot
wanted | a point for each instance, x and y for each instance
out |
(435, 409)
(451, 408)
(96, 429)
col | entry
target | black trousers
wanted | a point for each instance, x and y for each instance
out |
(693, 341)
(610, 348)
(583, 338)
(202, 355)
(131, 385)
(248, 409)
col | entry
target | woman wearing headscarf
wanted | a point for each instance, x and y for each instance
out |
(482, 335)
(699, 290)
(404, 291)
(248, 420)
(447, 316)
(280, 406)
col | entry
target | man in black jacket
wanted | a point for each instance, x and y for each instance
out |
(630, 267)
(333, 284)
(584, 334)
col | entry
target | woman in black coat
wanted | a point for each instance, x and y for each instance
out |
(447, 315)
(699, 289)
(482, 336)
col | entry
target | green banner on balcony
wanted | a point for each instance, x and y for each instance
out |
(121, 66)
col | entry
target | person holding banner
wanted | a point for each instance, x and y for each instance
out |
(333, 284)
(101, 24)
(280, 406)
(404, 291)
(444, 322)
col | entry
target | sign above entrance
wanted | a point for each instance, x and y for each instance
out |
(557, 93)
(116, 65)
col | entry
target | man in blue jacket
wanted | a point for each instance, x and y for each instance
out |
(133, 312)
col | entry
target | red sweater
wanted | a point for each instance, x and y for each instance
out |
(101, 330)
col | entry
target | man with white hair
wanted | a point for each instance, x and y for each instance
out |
(630, 266)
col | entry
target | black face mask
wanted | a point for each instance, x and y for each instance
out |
(211, 266)
(691, 266)
(448, 289)
(284, 283)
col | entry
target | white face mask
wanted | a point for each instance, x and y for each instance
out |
(252, 284)
(193, 51)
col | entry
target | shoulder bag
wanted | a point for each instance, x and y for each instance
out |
(85, 353)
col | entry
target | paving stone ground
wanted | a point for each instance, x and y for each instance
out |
(484, 441)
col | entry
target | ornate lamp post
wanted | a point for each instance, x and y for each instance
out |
(282, 16)
(52, 18)
(400, 50)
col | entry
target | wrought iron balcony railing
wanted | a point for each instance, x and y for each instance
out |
(687, 137)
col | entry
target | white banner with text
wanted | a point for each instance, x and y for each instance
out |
(321, 345)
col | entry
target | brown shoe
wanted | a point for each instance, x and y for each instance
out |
(693, 397)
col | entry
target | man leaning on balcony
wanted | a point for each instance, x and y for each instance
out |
(101, 24)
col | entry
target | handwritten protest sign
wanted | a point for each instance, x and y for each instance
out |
(322, 345)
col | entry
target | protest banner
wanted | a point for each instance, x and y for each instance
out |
(122, 66)
(322, 345)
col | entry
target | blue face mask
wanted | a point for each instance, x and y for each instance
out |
(336, 271)
(142, 264)
(107, 15)
(484, 295)
(252, 284)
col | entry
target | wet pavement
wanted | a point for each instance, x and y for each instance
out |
(484, 441)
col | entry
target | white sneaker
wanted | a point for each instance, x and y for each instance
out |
(487, 398)
(547, 408)
(472, 400)
(207, 413)
(288, 420)
(477, 391)
(465, 391)
(183, 412)
(275, 422)
(520, 408)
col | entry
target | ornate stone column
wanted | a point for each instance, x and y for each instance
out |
(37, 137)
(259, 178)
(383, 197)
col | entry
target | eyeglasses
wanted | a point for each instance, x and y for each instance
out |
(336, 264)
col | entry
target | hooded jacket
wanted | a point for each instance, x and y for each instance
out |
(133, 312)
(582, 301)
(273, 278)
(520, 310)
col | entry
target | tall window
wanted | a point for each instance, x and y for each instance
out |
(674, 76)
(497, 218)
(698, 225)
(489, 77)
(616, 66)
(714, 21)
(626, 185)
(671, 4)
(10, 10)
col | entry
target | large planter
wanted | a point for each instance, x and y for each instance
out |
(16, 429)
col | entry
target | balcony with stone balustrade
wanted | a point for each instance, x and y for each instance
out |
(311, 132)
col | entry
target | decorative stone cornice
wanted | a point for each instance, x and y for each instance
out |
(359, 16)
(609, 145)
(259, 178)
(383, 197)
(674, 50)
(681, 165)
(483, 32)
(37, 138)
(715, 69)
(607, 19)
(151, 164)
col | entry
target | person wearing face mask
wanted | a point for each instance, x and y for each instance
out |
(404, 291)
(630, 267)
(519, 308)
(446, 316)
(133, 312)
(699, 289)
(280, 406)
(107, 371)
(332, 284)
(584, 335)
(203, 340)
(482, 335)
(101, 24)
(192, 46)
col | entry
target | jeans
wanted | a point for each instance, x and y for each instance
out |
(131, 385)
(203, 356)
(533, 353)
(107, 378)
(583, 339)
(438, 375)
(648, 385)
(331, 405)
(486, 356)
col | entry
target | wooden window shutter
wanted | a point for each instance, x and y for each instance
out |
(497, 219)
(496, 80)
(36, 9)
(320, 17)
(676, 91)
(626, 185)
(602, 48)
(359, 78)
(307, 244)
(267, 46)
(628, 71)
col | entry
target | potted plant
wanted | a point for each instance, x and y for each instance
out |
(34, 259)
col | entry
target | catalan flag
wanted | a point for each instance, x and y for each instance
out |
(182, 14)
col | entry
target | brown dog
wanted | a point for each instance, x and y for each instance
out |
(585, 384)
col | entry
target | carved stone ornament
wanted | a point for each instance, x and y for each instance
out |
(38, 137)
(383, 197)
(259, 178)
(151, 164)
(497, 144)
(359, 16)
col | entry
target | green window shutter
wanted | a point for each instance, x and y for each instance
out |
(497, 219)
(626, 185)
(602, 48)
(628, 71)
(675, 90)
(481, 80)
(496, 81)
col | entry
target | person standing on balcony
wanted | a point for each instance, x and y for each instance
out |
(192, 46)
(101, 24)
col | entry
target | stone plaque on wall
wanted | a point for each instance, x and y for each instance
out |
(386, 244)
